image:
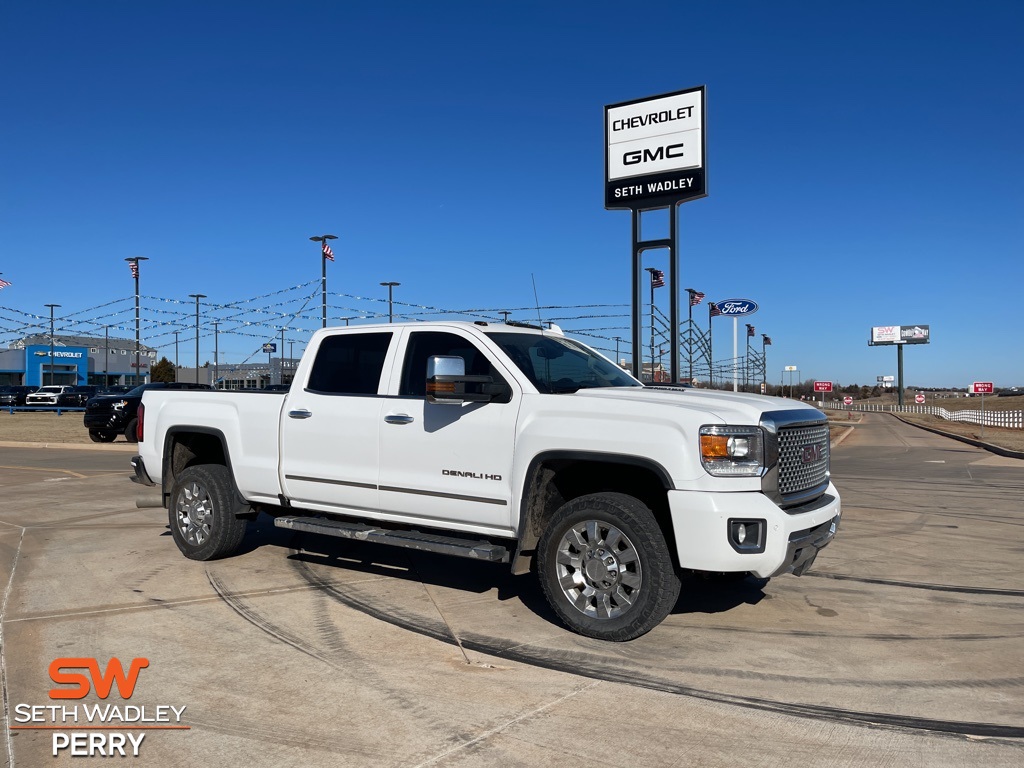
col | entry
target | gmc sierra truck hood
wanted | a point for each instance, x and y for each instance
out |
(729, 407)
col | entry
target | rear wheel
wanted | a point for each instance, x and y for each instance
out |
(201, 513)
(99, 436)
(605, 567)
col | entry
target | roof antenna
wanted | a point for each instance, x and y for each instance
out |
(536, 301)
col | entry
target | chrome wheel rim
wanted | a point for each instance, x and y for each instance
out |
(598, 569)
(194, 511)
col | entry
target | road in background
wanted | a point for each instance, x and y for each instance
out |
(902, 646)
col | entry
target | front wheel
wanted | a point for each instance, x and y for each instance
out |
(129, 431)
(99, 436)
(605, 567)
(201, 514)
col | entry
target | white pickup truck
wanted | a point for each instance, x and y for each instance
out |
(505, 443)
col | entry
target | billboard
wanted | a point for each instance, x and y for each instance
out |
(899, 334)
(654, 150)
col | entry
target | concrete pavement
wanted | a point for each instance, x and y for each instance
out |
(902, 646)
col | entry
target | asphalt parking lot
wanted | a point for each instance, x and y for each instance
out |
(903, 646)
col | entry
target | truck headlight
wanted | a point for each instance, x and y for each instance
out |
(732, 451)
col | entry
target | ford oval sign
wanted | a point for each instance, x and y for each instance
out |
(736, 307)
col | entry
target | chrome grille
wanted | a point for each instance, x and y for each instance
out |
(803, 458)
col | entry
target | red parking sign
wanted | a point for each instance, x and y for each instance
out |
(847, 400)
(918, 399)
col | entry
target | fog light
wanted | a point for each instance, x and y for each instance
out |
(747, 536)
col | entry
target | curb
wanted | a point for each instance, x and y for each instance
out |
(846, 434)
(999, 451)
(119, 447)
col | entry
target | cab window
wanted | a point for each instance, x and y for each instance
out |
(426, 344)
(349, 364)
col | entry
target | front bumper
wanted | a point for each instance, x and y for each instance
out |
(792, 537)
(110, 421)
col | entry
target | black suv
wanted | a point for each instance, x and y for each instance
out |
(14, 394)
(108, 416)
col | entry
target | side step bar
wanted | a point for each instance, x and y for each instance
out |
(428, 542)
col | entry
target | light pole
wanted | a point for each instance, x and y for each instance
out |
(133, 262)
(391, 287)
(281, 357)
(325, 254)
(197, 297)
(106, 354)
(617, 340)
(51, 306)
(176, 355)
(505, 313)
(216, 353)
(657, 281)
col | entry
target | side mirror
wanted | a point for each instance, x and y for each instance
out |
(447, 380)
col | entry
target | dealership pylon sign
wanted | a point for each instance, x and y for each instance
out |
(654, 151)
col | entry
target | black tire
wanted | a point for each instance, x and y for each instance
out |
(129, 431)
(201, 514)
(605, 567)
(98, 436)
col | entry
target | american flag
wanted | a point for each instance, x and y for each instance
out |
(696, 297)
(328, 253)
(135, 268)
(767, 340)
(750, 330)
(4, 283)
(657, 278)
(713, 310)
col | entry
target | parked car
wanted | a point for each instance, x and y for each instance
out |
(116, 389)
(81, 394)
(15, 394)
(107, 416)
(52, 395)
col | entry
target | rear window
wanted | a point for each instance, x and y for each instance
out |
(349, 364)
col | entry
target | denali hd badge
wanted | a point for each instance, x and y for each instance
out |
(474, 475)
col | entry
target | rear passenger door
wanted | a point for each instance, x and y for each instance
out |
(329, 429)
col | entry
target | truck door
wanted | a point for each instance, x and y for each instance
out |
(447, 463)
(329, 428)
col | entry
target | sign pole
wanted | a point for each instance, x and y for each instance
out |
(735, 355)
(899, 366)
(982, 415)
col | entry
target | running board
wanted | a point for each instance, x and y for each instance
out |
(428, 542)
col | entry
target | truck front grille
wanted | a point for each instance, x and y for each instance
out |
(803, 460)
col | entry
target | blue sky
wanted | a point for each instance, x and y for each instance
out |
(864, 164)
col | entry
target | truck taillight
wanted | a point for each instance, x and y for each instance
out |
(141, 417)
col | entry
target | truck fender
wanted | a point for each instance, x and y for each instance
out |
(539, 494)
(213, 450)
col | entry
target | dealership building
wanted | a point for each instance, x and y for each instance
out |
(76, 360)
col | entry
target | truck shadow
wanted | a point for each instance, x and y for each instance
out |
(700, 594)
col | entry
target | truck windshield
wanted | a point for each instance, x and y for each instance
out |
(558, 365)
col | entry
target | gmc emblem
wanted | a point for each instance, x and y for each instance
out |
(811, 453)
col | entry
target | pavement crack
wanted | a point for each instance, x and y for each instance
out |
(3, 649)
(498, 729)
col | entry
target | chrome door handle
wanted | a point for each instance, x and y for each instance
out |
(300, 414)
(398, 418)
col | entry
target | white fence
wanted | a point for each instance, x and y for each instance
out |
(1011, 419)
